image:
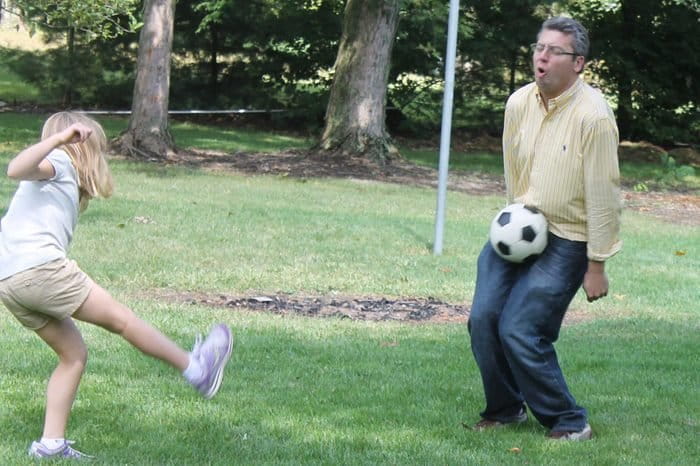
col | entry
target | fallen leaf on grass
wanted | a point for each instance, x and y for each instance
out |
(144, 220)
(515, 450)
(681, 252)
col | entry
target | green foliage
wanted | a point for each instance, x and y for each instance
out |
(491, 64)
(280, 54)
(13, 88)
(640, 187)
(255, 54)
(103, 78)
(674, 172)
(657, 92)
(96, 19)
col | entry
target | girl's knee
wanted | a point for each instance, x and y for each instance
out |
(75, 357)
(81, 362)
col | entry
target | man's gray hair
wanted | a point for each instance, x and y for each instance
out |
(570, 27)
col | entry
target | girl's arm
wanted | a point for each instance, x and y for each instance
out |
(31, 163)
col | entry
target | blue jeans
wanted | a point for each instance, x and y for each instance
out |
(514, 321)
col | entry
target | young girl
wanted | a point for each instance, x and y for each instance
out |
(45, 291)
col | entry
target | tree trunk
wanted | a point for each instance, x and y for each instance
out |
(70, 70)
(625, 121)
(148, 135)
(214, 65)
(356, 112)
(513, 69)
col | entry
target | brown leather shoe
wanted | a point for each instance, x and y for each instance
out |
(486, 424)
(581, 435)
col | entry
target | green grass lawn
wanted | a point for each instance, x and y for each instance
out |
(331, 391)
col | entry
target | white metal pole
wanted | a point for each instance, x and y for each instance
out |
(446, 124)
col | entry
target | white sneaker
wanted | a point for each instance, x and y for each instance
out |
(213, 354)
(39, 450)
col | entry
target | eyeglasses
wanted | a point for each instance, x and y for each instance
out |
(553, 50)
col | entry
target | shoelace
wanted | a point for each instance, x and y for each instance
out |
(73, 453)
(197, 347)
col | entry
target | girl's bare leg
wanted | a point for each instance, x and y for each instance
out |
(65, 339)
(101, 309)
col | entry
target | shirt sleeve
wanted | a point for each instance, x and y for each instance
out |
(602, 189)
(61, 163)
(509, 131)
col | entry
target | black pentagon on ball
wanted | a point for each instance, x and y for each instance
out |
(532, 209)
(503, 248)
(504, 219)
(529, 234)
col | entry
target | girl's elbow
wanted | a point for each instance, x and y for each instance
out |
(12, 172)
(18, 173)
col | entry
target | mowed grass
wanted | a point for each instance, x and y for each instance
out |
(331, 391)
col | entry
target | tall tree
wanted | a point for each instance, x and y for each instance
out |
(355, 116)
(148, 134)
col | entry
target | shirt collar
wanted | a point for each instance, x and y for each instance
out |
(561, 100)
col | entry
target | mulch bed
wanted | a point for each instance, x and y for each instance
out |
(374, 309)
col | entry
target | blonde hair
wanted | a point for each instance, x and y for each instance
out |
(88, 157)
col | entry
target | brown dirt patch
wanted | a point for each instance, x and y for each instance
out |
(672, 207)
(371, 309)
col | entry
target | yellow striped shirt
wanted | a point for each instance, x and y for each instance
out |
(563, 161)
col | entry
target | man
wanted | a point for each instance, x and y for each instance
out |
(560, 155)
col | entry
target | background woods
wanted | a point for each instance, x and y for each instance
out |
(286, 55)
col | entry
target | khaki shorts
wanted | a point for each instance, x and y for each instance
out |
(54, 290)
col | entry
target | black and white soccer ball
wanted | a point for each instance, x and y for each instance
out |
(518, 233)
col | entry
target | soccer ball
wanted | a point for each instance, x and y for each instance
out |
(518, 232)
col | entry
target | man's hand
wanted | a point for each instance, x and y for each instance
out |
(595, 282)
